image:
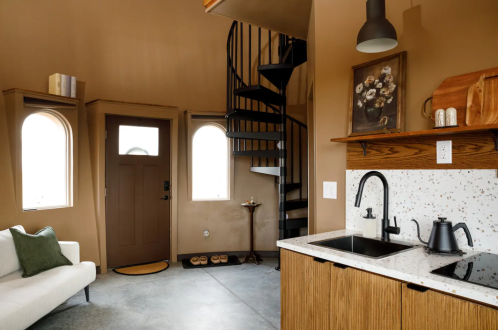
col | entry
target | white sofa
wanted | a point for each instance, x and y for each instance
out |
(23, 301)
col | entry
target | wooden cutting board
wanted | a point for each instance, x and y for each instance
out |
(453, 92)
(482, 101)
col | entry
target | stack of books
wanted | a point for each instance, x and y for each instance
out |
(61, 84)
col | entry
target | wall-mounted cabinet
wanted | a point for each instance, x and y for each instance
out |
(318, 294)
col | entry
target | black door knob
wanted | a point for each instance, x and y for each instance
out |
(165, 197)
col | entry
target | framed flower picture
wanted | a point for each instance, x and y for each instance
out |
(378, 96)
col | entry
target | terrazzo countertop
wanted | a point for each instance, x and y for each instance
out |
(413, 266)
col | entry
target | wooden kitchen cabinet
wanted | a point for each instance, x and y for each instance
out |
(305, 292)
(431, 310)
(322, 295)
(374, 301)
(361, 300)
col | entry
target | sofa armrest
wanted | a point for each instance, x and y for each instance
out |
(71, 250)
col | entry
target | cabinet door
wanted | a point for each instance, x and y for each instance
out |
(432, 310)
(305, 292)
(373, 301)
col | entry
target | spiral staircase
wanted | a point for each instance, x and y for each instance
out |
(257, 118)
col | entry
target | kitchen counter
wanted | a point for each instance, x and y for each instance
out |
(413, 266)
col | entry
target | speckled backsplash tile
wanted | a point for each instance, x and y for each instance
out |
(468, 196)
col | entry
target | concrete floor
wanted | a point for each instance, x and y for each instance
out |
(236, 298)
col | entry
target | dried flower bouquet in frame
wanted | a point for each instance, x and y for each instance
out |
(378, 96)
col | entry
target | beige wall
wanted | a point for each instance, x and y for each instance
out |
(162, 52)
(442, 37)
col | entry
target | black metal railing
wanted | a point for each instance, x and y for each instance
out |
(293, 133)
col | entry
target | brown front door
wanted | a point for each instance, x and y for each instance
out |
(137, 190)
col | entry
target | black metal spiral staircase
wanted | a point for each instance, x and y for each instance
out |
(257, 118)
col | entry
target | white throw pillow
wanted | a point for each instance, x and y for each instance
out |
(8, 256)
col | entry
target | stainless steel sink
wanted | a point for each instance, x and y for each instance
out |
(367, 247)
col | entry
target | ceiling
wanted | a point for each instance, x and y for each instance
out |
(286, 16)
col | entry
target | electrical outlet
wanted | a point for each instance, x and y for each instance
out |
(206, 233)
(444, 152)
(330, 190)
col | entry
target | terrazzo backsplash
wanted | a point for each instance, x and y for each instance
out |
(468, 196)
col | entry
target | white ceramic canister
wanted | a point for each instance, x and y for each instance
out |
(440, 118)
(451, 117)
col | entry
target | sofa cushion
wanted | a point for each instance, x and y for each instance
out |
(8, 256)
(38, 253)
(23, 301)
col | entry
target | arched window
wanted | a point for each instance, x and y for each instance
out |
(210, 164)
(46, 162)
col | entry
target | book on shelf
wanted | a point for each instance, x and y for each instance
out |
(73, 87)
(54, 84)
(65, 85)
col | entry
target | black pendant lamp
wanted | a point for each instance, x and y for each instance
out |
(377, 34)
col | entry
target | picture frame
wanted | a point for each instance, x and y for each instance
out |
(377, 96)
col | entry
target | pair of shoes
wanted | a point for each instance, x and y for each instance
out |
(217, 259)
(196, 261)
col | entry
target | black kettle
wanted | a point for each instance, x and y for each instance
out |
(442, 236)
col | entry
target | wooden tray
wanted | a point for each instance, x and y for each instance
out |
(453, 92)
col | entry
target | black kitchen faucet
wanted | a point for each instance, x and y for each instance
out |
(386, 229)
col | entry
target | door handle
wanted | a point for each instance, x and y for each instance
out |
(341, 266)
(320, 260)
(416, 287)
(165, 197)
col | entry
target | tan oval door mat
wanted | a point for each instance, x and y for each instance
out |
(232, 261)
(146, 269)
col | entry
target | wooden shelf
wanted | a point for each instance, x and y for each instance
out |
(364, 139)
(433, 132)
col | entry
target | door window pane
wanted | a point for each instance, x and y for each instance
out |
(137, 140)
(210, 164)
(45, 162)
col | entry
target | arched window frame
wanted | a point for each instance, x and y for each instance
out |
(220, 127)
(194, 121)
(19, 104)
(69, 158)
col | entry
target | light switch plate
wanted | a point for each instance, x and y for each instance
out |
(444, 152)
(330, 190)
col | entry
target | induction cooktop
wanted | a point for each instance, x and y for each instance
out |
(481, 269)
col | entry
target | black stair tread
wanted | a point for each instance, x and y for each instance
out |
(275, 171)
(295, 204)
(294, 223)
(296, 53)
(267, 136)
(258, 153)
(258, 116)
(277, 73)
(292, 233)
(291, 187)
(260, 93)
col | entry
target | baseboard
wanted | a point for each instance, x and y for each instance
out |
(240, 254)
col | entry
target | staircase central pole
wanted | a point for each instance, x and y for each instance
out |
(283, 158)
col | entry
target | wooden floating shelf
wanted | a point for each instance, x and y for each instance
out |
(434, 132)
(364, 139)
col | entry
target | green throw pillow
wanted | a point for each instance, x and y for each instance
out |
(39, 252)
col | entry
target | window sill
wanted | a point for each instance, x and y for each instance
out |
(47, 208)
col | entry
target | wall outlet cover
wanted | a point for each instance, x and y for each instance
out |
(444, 152)
(330, 190)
